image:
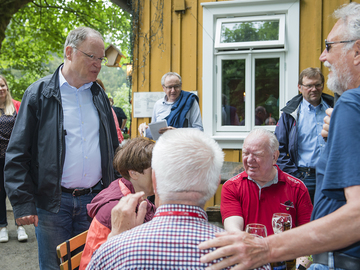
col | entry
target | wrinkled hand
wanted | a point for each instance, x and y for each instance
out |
(243, 249)
(27, 220)
(123, 215)
(164, 129)
(142, 129)
(325, 130)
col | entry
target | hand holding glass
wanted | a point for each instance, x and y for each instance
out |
(256, 229)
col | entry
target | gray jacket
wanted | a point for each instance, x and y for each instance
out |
(36, 151)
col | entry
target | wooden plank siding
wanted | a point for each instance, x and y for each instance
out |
(178, 47)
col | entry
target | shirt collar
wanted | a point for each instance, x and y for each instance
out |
(307, 105)
(274, 181)
(63, 81)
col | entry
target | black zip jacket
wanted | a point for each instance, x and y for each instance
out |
(36, 151)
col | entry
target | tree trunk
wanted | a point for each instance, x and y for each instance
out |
(7, 10)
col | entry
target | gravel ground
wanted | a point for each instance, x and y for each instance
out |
(15, 255)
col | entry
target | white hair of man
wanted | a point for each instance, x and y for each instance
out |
(350, 15)
(78, 35)
(261, 132)
(170, 74)
(187, 165)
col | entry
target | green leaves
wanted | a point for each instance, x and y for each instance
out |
(38, 31)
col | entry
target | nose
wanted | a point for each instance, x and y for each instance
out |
(322, 57)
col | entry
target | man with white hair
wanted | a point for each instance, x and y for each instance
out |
(333, 237)
(179, 108)
(254, 195)
(184, 178)
(263, 189)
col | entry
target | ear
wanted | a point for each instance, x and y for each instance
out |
(68, 52)
(164, 88)
(133, 174)
(299, 88)
(276, 156)
(357, 53)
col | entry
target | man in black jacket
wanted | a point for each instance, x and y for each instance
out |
(299, 128)
(62, 145)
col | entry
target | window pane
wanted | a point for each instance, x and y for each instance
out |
(249, 31)
(267, 91)
(233, 92)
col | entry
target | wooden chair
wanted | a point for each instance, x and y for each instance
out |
(67, 247)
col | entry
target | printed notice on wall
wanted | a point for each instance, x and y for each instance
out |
(144, 103)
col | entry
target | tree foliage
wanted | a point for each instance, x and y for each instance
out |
(38, 31)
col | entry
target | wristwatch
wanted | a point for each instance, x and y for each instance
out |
(300, 267)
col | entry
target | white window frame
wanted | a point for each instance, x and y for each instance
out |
(233, 137)
(252, 44)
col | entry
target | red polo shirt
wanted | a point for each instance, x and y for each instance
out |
(242, 197)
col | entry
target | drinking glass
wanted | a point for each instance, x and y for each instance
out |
(256, 229)
(280, 221)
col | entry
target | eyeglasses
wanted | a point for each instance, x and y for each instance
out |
(176, 87)
(92, 57)
(328, 44)
(310, 86)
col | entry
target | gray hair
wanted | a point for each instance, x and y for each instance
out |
(260, 132)
(350, 15)
(78, 36)
(170, 74)
(187, 165)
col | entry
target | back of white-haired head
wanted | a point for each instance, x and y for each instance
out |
(260, 132)
(187, 164)
(350, 15)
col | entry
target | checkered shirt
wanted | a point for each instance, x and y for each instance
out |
(166, 242)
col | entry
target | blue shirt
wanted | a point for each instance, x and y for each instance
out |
(338, 166)
(310, 141)
(82, 166)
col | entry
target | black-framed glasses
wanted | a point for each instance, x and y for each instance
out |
(310, 86)
(92, 57)
(329, 43)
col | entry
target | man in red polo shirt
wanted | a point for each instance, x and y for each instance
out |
(263, 189)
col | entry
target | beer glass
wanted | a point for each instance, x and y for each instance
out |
(256, 229)
(281, 221)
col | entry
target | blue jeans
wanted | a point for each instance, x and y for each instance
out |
(309, 180)
(55, 228)
(330, 266)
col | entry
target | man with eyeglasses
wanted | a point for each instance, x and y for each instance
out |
(299, 129)
(179, 108)
(333, 237)
(61, 150)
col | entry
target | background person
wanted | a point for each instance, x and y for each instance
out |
(183, 181)
(178, 107)
(62, 146)
(118, 130)
(299, 128)
(8, 112)
(338, 186)
(120, 114)
(133, 162)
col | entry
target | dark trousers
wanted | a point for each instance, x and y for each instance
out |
(3, 219)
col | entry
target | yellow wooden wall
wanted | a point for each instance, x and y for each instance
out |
(178, 48)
